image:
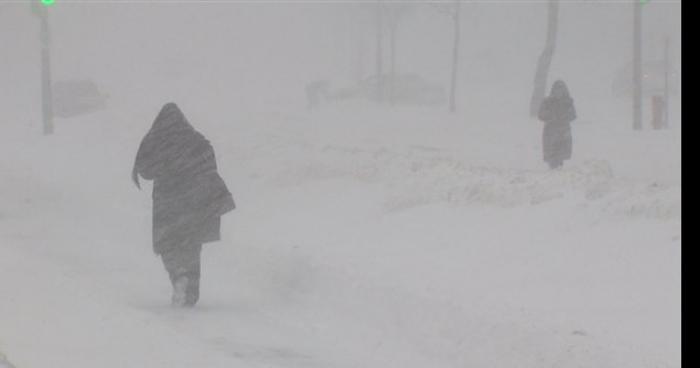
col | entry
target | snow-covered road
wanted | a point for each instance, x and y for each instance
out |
(345, 251)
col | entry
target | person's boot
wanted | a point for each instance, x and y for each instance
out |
(192, 292)
(179, 292)
(555, 165)
(191, 299)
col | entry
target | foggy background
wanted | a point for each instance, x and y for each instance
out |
(366, 234)
(249, 55)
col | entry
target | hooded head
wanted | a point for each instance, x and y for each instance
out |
(171, 117)
(559, 90)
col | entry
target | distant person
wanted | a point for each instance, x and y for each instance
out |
(189, 197)
(557, 112)
(658, 109)
(316, 93)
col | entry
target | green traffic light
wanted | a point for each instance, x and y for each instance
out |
(48, 2)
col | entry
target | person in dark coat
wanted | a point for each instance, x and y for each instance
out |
(557, 112)
(189, 197)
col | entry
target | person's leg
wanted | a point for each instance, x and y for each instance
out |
(173, 262)
(193, 275)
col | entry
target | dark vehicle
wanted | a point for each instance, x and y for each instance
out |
(76, 97)
(408, 89)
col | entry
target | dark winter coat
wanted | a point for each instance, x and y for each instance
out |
(557, 112)
(189, 196)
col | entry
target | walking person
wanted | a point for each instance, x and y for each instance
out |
(189, 197)
(557, 112)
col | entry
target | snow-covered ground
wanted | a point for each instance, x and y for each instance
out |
(363, 237)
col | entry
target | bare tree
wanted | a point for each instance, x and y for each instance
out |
(384, 18)
(455, 58)
(394, 12)
(545, 60)
(453, 10)
(360, 18)
(379, 51)
(358, 46)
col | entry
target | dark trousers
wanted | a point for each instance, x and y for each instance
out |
(556, 143)
(185, 262)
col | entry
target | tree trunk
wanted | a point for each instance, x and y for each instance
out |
(637, 67)
(545, 60)
(46, 96)
(392, 61)
(380, 52)
(359, 70)
(455, 58)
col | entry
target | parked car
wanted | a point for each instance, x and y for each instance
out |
(409, 89)
(76, 97)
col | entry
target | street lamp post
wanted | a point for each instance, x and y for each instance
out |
(637, 66)
(41, 11)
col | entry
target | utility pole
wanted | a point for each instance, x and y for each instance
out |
(637, 66)
(455, 57)
(392, 56)
(380, 52)
(667, 67)
(42, 12)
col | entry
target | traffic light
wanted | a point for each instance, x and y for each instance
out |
(40, 6)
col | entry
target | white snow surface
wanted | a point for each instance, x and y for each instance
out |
(383, 238)
(365, 236)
